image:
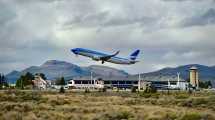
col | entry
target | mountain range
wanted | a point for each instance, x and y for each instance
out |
(206, 73)
(54, 69)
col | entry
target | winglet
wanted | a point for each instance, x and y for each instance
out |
(116, 53)
(105, 58)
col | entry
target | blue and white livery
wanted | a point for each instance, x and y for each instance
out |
(103, 57)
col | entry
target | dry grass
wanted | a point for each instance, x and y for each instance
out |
(28, 105)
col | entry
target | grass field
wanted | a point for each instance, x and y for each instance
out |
(34, 105)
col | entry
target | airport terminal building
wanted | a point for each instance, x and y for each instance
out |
(126, 82)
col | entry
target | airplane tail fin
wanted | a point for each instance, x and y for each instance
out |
(134, 55)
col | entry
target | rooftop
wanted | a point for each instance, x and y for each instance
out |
(131, 78)
(193, 68)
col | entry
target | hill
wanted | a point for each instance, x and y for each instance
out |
(205, 73)
(55, 68)
(13, 76)
(106, 71)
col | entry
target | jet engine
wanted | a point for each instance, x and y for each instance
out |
(96, 58)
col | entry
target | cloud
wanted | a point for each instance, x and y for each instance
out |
(206, 18)
(5, 18)
(168, 33)
(185, 0)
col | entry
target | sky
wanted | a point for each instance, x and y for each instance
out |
(169, 33)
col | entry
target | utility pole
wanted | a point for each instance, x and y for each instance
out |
(178, 83)
(91, 79)
(139, 82)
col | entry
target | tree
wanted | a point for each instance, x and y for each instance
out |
(150, 89)
(19, 82)
(209, 84)
(60, 81)
(42, 75)
(25, 80)
(0, 80)
(62, 90)
(205, 84)
(28, 79)
(188, 80)
(3, 81)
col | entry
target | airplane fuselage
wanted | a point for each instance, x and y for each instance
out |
(97, 55)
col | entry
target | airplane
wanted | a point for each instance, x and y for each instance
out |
(103, 57)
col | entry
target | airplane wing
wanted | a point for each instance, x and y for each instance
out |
(105, 58)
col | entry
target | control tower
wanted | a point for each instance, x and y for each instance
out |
(194, 77)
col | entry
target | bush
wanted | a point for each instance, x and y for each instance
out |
(145, 95)
(62, 90)
(30, 96)
(181, 96)
(170, 116)
(20, 96)
(133, 90)
(12, 115)
(87, 90)
(104, 90)
(199, 101)
(121, 115)
(192, 116)
(149, 95)
(150, 89)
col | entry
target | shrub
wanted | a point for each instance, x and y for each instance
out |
(170, 116)
(191, 116)
(181, 96)
(12, 115)
(199, 101)
(87, 90)
(23, 96)
(150, 89)
(133, 90)
(186, 103)
(104, 90)
(149, 95)
(145, 95)
(124, 115)
(58, 101)
(121, 115)
(19, 96)
(62, 90)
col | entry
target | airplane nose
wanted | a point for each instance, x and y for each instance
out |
(74, 51)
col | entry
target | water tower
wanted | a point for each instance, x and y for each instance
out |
(194, 77)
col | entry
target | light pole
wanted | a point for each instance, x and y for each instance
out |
(139, 77)
(91, 78)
